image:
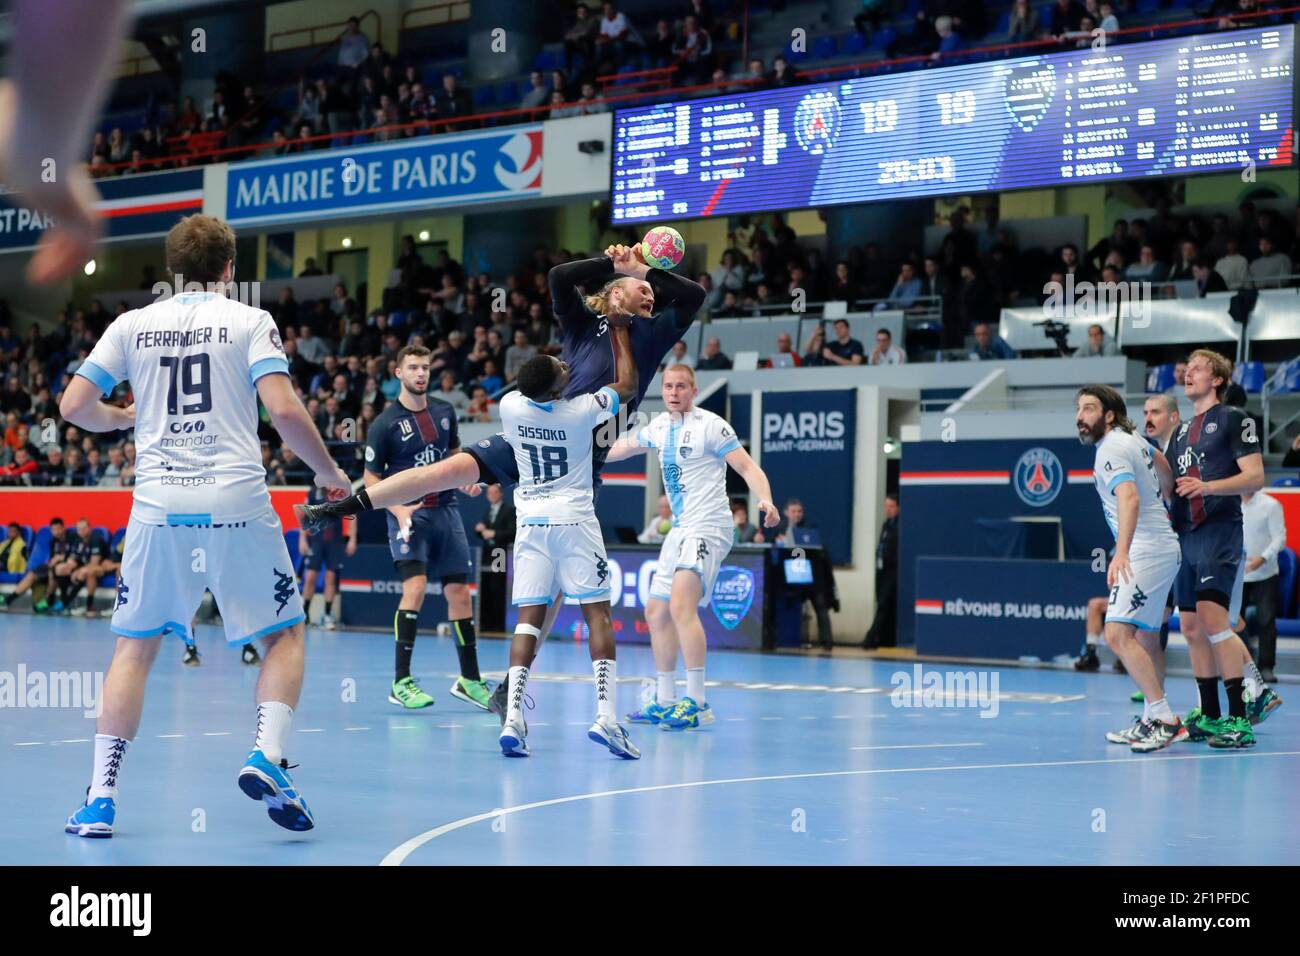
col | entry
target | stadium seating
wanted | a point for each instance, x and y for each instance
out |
(1250, 376)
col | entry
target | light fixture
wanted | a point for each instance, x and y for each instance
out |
(424, 235)
(347, 242)
(90, 268)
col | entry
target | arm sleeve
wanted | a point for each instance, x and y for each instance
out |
(678, 293)
(724, 439)
(265, 351)
(1276, 533)
(1115, 469)
(563, 280)
(1243, 434)
(106, 364)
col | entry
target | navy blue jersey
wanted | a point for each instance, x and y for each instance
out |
(1207, 447)
(400, 439)
(85, 549)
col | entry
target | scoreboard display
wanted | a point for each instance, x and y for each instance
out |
(1208, 103)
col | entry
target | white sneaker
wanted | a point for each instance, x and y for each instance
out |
(327, 622)
(610, 734)
(513, 738)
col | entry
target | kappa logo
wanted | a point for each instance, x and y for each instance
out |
(284, 589)
(1137, 600)
(602, 567)
(701, 551)
(122, 591)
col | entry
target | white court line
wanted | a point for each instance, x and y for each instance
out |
(168, 736)
(312, 730)
(30, 743)
(915, 746)
(356, 728)
(75, 740)
(399, 854)
(217, 733)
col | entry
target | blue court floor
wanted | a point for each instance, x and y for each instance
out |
(810, 762)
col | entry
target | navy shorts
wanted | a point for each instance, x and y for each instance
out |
(497, 465)
(326, 551)
(1212, 568)
(436, 547)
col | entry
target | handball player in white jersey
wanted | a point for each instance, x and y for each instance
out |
(201, 517)
(1133, 479)
(695, 447)
(559, 546)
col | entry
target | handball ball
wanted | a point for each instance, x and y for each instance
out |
(665, 526)
(663, 247)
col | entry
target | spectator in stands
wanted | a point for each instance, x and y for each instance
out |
(1119, 241)
(712, 358)
(22, 470)
(1184, 269)
(481, 408)
(948, 39)
(339, 108)
(614, 36)
(538, 92)
(559, 110)
(743, 531)
(873, 12)
(1024, 23)
(660, 523)
(13, 552)
(1109, 23)
(781, 75)
(1099, 344)
(1064, 17)
(844, 350)
(590, 101)
(659, 47)
(905, 290)
(990, 347)
(1272, 266)
(448, 392)
(1148, 268)
(580, 38)
(730, 307)
(1207, 279)
(311, 348)
(694, 52)
(886, 352)
(1233, 266)
(678, 355)
(491, 378)
(354, 46)
(1264, 530)
(452, 101)
(1292, 457)
(842, 286)
(111, 474)
(1244, 14)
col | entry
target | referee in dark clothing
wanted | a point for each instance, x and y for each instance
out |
(497, 529)
(884, 629)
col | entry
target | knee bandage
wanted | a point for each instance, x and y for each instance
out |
(1222, 636)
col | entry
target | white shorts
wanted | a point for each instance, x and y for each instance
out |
(687, 550)
(245, 565)
(560, 557)
(1141, 600)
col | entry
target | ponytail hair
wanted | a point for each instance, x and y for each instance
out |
(599, 303)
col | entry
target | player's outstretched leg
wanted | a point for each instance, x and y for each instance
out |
(455, 472)
(265, 774)
(606, 730)
(693, 711)
(663, 642)
(122, 699)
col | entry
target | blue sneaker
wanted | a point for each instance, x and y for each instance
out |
(687, 715)
(263, 780)
(93, 819)
(651, 712)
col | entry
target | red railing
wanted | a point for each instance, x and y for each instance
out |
(659, 78)
(337, 29)
(522, 115)
(456, 12)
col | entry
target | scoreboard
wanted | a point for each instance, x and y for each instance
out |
(1211, 102)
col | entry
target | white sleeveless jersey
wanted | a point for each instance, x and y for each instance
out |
(552, 442)
(692, 450)
(1124, 457)
(192, 361)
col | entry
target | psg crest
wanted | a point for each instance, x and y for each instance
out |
(733, 595)
(817, 122)
(1038, 477)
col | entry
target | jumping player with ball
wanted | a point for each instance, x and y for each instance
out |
(662, 307)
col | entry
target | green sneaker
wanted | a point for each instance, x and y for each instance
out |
(406, 693)
(1263, 705)
(1199, 727)
(40, 607)
(472, 692)
(1234, 733)
(1137, 697)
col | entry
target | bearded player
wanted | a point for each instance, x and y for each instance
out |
(627, 287)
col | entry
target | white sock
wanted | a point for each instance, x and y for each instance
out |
(273, 719)
(1161, 711)
(695, 684)
(606, 677)
(665, 687)
(109, 751)
(518, 681)
(1093, 640)
(1146, 709)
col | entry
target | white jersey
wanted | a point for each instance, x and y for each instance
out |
(692, 449)
(193, 361)
(1125, 457)
(552, 442)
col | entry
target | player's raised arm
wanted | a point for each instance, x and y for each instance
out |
(295, 426)
(626, 447)
(759, 486)
(626, 379)
(565, 280)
